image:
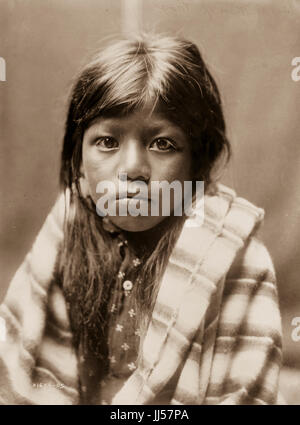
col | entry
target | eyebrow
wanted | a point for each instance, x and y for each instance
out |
(150, 129)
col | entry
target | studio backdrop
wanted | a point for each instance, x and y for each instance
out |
(252, 48)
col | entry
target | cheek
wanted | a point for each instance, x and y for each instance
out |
(94, 171)
(177, 169)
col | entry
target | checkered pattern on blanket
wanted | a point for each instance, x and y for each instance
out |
(216, 325)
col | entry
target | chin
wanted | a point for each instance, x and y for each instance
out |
(136, 224)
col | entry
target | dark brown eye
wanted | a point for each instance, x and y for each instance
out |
(106, 143)
(163, 145)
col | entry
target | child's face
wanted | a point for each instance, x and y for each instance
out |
(147, 147)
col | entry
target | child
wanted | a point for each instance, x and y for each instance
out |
(143, 309)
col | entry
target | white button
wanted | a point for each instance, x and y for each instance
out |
(127, 285)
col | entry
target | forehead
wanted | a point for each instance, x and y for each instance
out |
(141, 119)
(145, 118)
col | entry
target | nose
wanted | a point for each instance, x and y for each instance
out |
(134, 162)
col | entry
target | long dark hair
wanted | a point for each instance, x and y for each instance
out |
(127, 75)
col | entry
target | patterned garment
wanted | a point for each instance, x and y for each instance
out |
(98, 386)
(214, 335)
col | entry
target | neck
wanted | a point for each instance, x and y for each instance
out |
(145, 242)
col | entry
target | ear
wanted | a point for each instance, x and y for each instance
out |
(84, 185)
(81, 170)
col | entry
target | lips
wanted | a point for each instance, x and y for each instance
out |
(132, 195)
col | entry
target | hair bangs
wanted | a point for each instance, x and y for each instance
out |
(120, 88)
(155, 72)
(133, 74)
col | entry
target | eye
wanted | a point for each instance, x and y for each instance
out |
(106, 143)
(164, 145)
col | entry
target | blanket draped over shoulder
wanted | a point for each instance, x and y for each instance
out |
(215, 325)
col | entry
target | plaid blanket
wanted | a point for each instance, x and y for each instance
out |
(215, 332)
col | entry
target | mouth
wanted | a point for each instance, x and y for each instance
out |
(132, 195)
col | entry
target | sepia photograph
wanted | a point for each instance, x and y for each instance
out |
(150, 204)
